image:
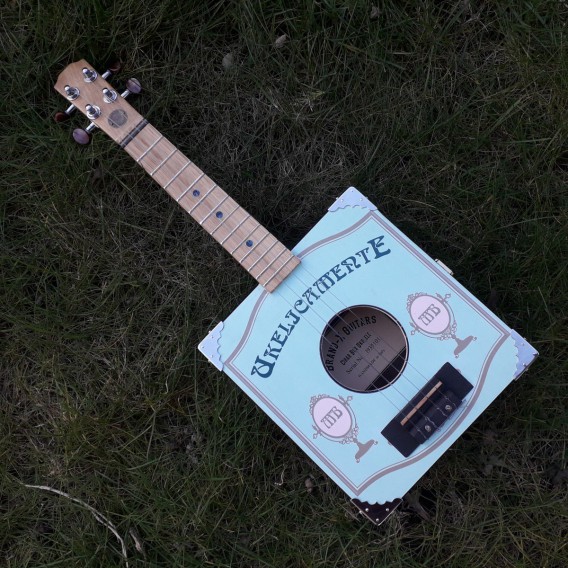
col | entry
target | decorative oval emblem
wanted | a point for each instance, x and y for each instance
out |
(334, 420)
(117, 118)
(429, 314)
(433, 316)
(363, 348)
(332, 417)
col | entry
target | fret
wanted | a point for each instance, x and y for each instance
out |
(261, 257)
(290, 257)
(257, 250)
(176, 176)
(190, 211)
(254, 248)
(270, 263)
(224, 221)
(148, 149)
(190, 186)
(163, 162)
(133, 133)
(228, 223)
(245, 239)
(232, 232)
(214, 208)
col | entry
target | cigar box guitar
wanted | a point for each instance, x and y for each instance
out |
(362, 348)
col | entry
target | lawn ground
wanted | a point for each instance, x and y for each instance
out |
(451, 116)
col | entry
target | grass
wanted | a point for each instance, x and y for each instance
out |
(451, 116)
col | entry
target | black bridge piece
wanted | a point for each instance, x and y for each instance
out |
(434, 403)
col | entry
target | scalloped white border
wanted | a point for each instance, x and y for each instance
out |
(210, 346)
(526, 353)
(352, 197)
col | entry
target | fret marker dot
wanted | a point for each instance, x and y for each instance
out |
(249, 243)
(195, 192)
(219, 214)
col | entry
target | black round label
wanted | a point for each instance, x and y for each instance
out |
(364, 349)
(117, 118)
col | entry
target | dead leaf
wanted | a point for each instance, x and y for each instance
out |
(280, 41)
(309, 483)
(493, 461)
(412, 501)
(228, 61)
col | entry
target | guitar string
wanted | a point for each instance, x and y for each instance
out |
(409, 364)
(393, 384)
(376, 351)
(382, 391)
(349, 309)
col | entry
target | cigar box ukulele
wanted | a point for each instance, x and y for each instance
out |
(363, 349)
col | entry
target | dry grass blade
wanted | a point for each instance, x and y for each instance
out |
(450, 116)
(105, 521)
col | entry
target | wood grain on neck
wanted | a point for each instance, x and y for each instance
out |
(259, 252)
(263, 256)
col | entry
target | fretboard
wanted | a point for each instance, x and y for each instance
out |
(258, 251)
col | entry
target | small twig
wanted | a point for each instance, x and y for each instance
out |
(281, 482)
(98, 516)
(137, 541)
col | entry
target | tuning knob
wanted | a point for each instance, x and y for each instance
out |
(83, 135)
(133, 87)
(61, 116)
(114, 67)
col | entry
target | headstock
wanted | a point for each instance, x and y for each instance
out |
(91, 94)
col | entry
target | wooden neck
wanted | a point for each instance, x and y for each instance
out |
(260, 253)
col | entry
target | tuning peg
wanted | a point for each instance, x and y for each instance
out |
(72, 93)
(89, 75)
(83, 135)
(113, 68)
(65, 115)
(93, 111)
(133, 87)
(62, 116)
(109, 95)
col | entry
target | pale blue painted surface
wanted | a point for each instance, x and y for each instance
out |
(298, 373)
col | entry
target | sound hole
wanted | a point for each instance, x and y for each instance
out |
(364, 349)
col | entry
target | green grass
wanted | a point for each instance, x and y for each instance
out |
(451, 116)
